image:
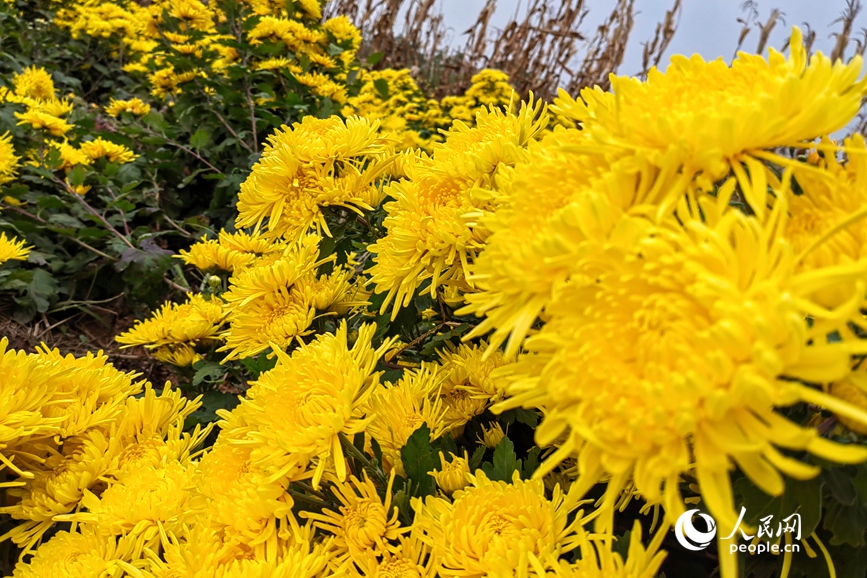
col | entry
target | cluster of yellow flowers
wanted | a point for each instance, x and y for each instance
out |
(308, 171)
(154, 35)
(414, 121)
(668, 289)
(79, 448)
(33, 91)
(72, 431)
(659, 282)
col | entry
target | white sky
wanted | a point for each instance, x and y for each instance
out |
(707, 27)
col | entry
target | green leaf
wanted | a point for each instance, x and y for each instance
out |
(64, 220)
(374, 58)
(805, 498)
(200, 139)
(418, 460)
(531, 463)
(506, 462)
(377, 450)
(381, 86)
(77, 175)
(212, 401)
(207, 372)
(42, 289)
(847, 524)
(477, 457)
(259, 364)
(839, 483)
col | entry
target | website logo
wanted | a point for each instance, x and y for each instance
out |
(694, 539)
(691, 537)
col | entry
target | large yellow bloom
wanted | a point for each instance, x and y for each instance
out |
(433, 228)
(196, 320)
(410, 559)
(211, 254)
(598, 560)
(43, 121)
(468, 387)
(718, 118)
(200, 551)
(70, 156)
(669, 352)
(81, 554)
(539, 230)
(365, 523)
(143, 504)
(134, 106)
(316, 163)
(492, 528)
(101, 148)
(59, 487)
(243, 504)
(8, 160)
(34, 82)
(11, 249)
(397, 410)
(821, 227)
(295, 413)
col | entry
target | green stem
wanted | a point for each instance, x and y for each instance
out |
(365, 461)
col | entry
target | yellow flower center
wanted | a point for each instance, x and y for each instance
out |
(364, 523)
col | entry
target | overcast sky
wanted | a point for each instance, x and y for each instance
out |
(707, 27)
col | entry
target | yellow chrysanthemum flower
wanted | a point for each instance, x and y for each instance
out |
(275, 299)
(312, 8)
(243, 504)
(211, 254)
(193, 14)
(201, 551)
(142, 505)
(315, 164)
(410, 559)
(598, 560)
(493, 527)
(89, 390)
(491, 436)
(295, 413)
(249, 243)
(8, 160)
(468, 388)
(820, 225)
(616, 369)
(490, 87)
(364, 524)
(197, 319)
(58, 487)
(433, 228)
(452, 475)
(43, 121)
(399, 409)
(70, 156)
(134, 106)
(101, 148)
(180, 354)
(720, 118)
(34, 82)
(12, 249)
(81, 554)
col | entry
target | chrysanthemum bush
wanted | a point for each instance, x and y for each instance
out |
(516, 347)
(127, 130)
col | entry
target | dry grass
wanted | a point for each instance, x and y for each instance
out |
(542, 47)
